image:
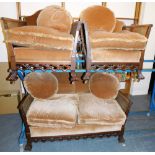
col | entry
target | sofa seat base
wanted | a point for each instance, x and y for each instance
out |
(119, 56)
(77, 130)
(54, 56)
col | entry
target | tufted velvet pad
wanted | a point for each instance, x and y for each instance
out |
(41, 85)
(124, 40)
(55, 17)
(39, 37)
(94, 110)
(98, 18)
(60, 111)
(54, 56)
(105, 86)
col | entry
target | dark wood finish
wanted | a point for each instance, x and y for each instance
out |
(141, 29)
(31, 20)
(24, 105)
(8, 23)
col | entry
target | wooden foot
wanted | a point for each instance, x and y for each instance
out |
(28, 147)
(121, 139)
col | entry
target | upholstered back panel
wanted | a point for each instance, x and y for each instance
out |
(119, 26)
(98, 18)
(41, 85)
(105, 86)
(55, 17)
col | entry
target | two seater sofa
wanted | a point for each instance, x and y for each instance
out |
(50, 114)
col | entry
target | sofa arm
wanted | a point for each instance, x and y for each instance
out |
(24, 105)
(124, 102)
(141, 29)
(8, 23)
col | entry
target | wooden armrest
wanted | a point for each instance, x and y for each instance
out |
(124, 101)
(8, 23)
(141, 29)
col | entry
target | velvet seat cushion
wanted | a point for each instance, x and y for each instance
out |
(58, 112)
(104, 85)
(32, 55)
(98, 18)
(94, 110)
(55, 17)
(39, 37)
(107, 56)
(124, 40)
(41, 85)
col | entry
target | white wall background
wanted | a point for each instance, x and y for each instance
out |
(6, 10)
(147, 17)
(123, 9)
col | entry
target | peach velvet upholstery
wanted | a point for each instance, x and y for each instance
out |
(98, 18)
(39, 37)
(94, 110)
(41, 85)
(119, 26)
(124, 40)
(105, 86)
(59, 112)
(78, 129)
(55, 17)
(103, 55)
(54, 56)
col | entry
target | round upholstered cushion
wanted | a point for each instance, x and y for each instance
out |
(104, 86)
(98, 18)
(41, 85)
(55, 17)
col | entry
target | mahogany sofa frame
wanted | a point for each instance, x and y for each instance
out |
(87, 51)
(8, 23)
(122, 99)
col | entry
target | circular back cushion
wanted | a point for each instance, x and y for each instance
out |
(105, 86)
(55, 17)
(98, 18)
(41, 85)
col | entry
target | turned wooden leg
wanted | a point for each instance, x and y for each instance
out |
(121, 136)
(28, 146)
